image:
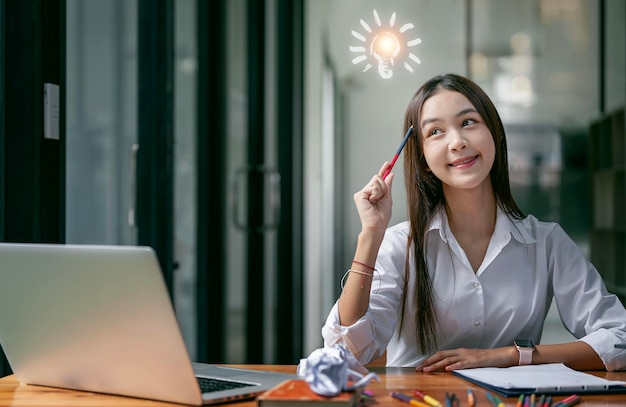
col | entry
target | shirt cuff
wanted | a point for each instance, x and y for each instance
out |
(603, 342)
(358, 337)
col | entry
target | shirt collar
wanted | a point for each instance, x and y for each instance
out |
(505, 226)
(439, 222)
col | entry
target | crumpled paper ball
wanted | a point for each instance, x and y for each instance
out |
(331, 370)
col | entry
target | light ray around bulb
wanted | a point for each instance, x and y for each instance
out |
(406, 27)
(366, 26)
(414, 42)
(359, 59)
(358, 36)
(377, 18)
(414, 58)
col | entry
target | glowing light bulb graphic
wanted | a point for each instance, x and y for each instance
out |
(383, 46)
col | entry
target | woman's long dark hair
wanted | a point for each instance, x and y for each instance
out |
(425, 193)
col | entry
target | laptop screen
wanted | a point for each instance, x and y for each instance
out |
(94, 318)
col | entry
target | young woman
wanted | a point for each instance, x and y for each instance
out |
(468, 280)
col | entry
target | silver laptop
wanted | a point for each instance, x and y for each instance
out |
(99, 318)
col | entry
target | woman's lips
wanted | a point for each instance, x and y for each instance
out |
(463, 161)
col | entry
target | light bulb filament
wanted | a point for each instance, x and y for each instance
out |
(386, 45)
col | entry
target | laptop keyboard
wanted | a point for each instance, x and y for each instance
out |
(209, 385)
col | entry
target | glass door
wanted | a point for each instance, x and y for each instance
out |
(101, 121)
(253, 183)
(264, 181)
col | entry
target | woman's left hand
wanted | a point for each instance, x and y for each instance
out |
(463, 358)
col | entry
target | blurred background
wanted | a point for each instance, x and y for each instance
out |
(271, 121)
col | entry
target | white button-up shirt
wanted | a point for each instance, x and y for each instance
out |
(528, 262)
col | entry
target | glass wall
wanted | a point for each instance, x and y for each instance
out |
(102, 135)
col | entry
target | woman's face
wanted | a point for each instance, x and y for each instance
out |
(457, 144)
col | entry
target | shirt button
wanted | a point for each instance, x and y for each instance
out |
(476, 323)
(476, 284)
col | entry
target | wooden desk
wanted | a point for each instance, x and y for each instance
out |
(12, 393)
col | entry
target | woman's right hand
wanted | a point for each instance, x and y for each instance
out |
(373, 202)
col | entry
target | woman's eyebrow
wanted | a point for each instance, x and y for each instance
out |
(466, 111)
(427, 121)
(459, 114)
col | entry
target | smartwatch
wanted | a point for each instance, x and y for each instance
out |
(525, 347)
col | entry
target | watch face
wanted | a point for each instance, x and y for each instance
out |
(524, 343)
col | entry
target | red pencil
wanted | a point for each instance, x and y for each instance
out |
(395, 157)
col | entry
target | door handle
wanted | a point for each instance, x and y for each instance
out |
(133, 185)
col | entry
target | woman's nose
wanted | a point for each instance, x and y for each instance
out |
(457, 140)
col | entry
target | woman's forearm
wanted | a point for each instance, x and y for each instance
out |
(355, 296)
(577, 355)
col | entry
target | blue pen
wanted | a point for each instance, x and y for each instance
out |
(492, 400)
(451, 400)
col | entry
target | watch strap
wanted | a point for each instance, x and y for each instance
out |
(525, 355)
